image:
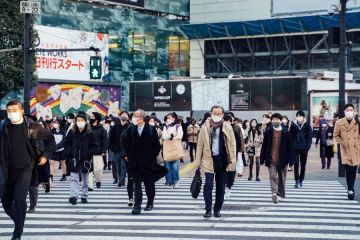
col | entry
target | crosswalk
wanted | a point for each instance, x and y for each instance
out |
(319, 210)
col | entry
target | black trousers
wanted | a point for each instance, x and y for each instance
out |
(220, 179)
(149, 190)
(192, 148)
(350, 172)
(251, 166)
(14, 199)
(300, 161)
(230, 179)
(33, 195)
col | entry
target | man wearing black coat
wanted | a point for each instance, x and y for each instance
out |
(301, 136)
(142, 146)
(24, 145)
(103, 141)
(276, 154)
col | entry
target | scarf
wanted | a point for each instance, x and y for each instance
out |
(215, 125)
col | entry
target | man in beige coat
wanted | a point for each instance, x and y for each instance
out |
(347, 135)
(216, 154)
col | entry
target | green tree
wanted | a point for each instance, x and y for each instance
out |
(12, 36)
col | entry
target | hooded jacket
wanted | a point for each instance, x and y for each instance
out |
(301, 136)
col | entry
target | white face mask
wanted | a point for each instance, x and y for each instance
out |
(349, 114)
(134, 121)
(324, 125)
(253, 124)
(216, 119)
(15, 117)
(70, 121)
(170, 121)
(81, 125)
(56, 126)
(112, 124)
(152, 123)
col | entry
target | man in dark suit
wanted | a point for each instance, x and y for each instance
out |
(142, 146)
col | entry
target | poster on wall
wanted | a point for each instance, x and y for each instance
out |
(48, 100)
(323, 107)
(162, 96)
(239, 95)
(69, 65)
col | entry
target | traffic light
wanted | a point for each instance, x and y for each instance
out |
(95, 67)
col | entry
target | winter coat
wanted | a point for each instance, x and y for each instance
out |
(80, 147)
(141, 152)
(115, 136)
(204, 157)
(255, 140)
(239, 136)
(286, 150)
(174, 131)
(301, 136)
(40, 143)
(325, 151)
(101, 138)
(193, 132)
(347, 135)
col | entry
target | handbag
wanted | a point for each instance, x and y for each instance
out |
(196, 183)
(329, 142)
(251, 151)
(173, 150)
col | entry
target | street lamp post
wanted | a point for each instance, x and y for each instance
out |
(342, 67)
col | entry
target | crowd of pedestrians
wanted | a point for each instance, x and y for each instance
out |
(140, 150)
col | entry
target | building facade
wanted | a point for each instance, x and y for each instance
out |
(144, 39)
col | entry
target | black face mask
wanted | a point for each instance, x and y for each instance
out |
(92, 121)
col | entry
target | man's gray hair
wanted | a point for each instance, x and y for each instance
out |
(217, 106)
(142, 113)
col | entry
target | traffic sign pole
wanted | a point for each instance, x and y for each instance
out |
(27, 77)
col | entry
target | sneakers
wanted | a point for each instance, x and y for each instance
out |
(290, 169)
(258, 179)
(73, 200)
(351, 195)
(98, 184)
(115, 181)
(227, 193)
(275, 198)
(176, 185)
(90, 189)
(297, 184)
(31, 210)
(239, 175)
(301, 184)
(121, 185)
(84, 200)
(207, 214)
(131, 203)
(250, 178)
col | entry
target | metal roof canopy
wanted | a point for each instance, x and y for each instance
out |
(271, 26)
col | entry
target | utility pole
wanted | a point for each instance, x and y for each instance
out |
(27, 76)
(342, 68)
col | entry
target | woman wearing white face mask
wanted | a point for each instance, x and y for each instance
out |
(325, 136)
(172, 131)
(58, 156)
(254, 138)
(80, 145)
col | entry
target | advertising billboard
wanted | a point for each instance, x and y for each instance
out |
(49, 99)
(323, 106)
(69, 65)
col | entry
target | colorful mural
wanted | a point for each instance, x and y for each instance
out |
(51, 99)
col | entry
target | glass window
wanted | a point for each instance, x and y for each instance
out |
(178, 49)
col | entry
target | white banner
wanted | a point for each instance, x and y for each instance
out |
(69, 65)
(288, 7)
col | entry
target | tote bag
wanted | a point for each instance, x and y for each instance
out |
(173, 150)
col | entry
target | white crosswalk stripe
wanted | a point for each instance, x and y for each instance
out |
(320, 210)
